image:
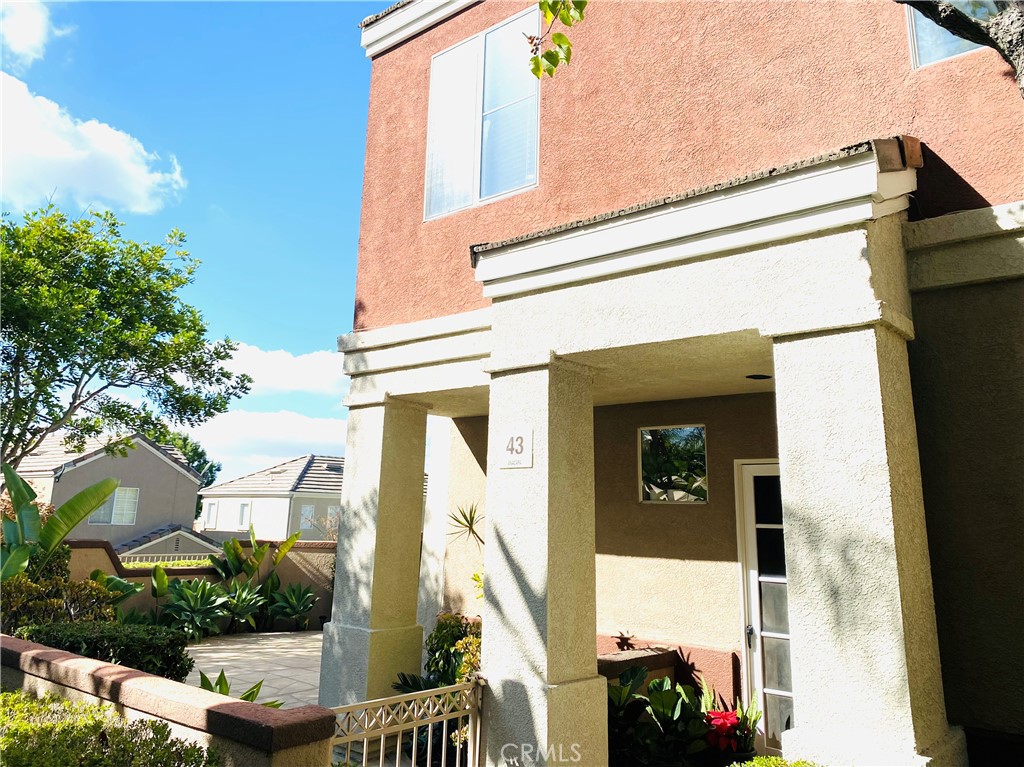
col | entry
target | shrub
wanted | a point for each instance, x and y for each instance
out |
(294, 602)
(153, 649)
(51, 732)
(196, 607)
(775, 761)
(167, 564)
(53, 600)
(58, 565)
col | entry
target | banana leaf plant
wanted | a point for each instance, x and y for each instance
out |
(119, 588)
(25, 537)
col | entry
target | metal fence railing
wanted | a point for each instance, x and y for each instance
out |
(433, 728)
(177, 555)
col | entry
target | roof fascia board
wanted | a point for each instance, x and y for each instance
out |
(842, 192)
(242, 496)
(102, 453)
(408, 21)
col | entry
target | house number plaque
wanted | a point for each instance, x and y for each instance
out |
(516, 449)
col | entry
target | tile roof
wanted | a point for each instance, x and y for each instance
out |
(160, 532)
(305, 474)
(52, 454)
(378, 16)
(848, 151)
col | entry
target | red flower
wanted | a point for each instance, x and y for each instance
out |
(722, 732)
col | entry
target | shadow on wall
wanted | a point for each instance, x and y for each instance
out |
(967, 372)
(941, 189)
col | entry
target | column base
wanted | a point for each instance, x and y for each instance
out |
(537, 724)
(863, 750)
(360, 664)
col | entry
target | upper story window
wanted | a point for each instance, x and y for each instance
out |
(930, 43)
(119, 509)
(210, 515)
(482, 126)
(306, 517)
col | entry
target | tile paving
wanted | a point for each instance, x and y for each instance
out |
(288, 663)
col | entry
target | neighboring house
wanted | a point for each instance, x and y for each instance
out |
(168, 542)
(302, 494)
(158, 487)
(724, 321)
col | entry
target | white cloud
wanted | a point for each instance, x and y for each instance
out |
(280, 371)
(246, 441)
(48, 152)
(25, 29)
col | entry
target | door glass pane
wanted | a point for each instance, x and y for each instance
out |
(509, 152)
(778, 717)
(771, 552)
(507, 75)
(778, 673)
(774, 608)
(767, 501)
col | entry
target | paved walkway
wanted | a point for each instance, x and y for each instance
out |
(288, 663)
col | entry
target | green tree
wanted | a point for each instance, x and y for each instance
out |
(96, 338)
(997, 24)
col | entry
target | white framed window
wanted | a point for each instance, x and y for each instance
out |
(244, 508)
(306, 517)
(333, 515)
(210, 515)
(930, 43)
(119, 509)
(483, 120)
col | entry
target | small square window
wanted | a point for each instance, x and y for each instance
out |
(243, 515)
(930, 43)
(673, 464)
(482, 126)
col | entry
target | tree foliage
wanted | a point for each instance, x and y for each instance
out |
(195, 454)
(96, 337)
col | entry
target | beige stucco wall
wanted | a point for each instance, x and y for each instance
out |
(967, 367)
(670, 571)
(166, 495)
(649, 556)
(467, 484)
(320, 504)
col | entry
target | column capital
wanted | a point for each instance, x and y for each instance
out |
(884, 316)
(550, 362)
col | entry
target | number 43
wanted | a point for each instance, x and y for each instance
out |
(514, 446)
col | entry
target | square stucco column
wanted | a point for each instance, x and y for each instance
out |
(544, 703)
(865, 659)
(373, 633)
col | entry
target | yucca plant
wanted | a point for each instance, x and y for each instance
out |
(223, 686)
(467, 522)
(26, 538)
(196, 607)
(244, 601)
(294, 602)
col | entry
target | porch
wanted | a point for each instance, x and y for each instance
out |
(780, 328)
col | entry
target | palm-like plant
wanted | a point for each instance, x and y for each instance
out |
(467, 522)
(25, 537)
(223, 686)
(294, 602)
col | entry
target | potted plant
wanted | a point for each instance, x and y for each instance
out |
(731, 734)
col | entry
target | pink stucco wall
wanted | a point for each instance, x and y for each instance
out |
(662, 97)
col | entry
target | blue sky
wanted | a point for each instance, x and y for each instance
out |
(241, 123)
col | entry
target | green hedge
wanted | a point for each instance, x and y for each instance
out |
(51, 732)
(153, 649)
(52, 600)
(775, 761)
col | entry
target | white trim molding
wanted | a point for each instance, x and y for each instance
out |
(833, 194)
(408, 21)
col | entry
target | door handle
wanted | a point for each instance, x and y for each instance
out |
(750, 636)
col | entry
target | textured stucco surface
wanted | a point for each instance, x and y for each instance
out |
(860, 596)
(650, 555)
(967, 367)
(166, 495)
(632, 128)
(463, 556)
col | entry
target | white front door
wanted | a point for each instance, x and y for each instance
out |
(769, 678)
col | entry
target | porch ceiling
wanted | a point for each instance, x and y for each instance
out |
(708, 366)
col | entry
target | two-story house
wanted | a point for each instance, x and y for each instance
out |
(726, 318)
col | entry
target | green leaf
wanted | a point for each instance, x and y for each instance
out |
(13, 561)
(223, 685)
(28, 521)
(12, 533)
(580, 6)
(73, 511)
(21, 492)
(252, 693)
(535, 66)
(561, 40)
(205, 683)
(285, 547)
(158, 582)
